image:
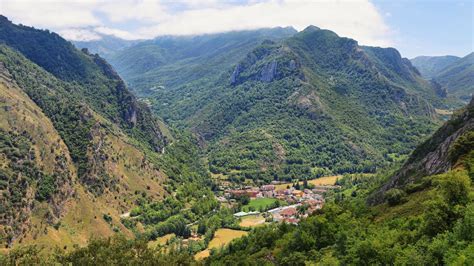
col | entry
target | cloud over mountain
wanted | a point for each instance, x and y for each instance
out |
(142, 19)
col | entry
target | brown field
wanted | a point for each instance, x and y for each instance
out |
(325, 180)
(252, 221)
(221, 238)
(443, 112)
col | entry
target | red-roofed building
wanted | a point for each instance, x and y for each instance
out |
(288, 212)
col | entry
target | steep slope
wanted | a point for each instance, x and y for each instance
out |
(171, 61)
(313, 104)
(450, 145)
(94, 79)
(430, 66)
(78, 149)
(458, 78)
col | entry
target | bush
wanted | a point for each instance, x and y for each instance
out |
(395, 196)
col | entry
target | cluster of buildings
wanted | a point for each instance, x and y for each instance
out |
(301, 203)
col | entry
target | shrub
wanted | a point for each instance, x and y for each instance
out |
(395, 196)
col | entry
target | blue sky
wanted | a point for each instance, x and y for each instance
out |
(430, 27)
(413, 27)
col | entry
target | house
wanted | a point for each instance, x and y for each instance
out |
(288, 212)
(297, 193)
(267, 188)
(268, 194)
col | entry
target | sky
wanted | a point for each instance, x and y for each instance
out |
(414, 27)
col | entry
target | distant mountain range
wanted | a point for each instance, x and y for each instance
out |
(106, 45)
(454, 74)
(430, 66)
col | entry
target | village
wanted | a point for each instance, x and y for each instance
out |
(278, 202)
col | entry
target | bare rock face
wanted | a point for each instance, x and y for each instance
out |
(235, 74)
(431, 157)
(268, 72)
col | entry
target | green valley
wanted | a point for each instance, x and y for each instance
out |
(236, 133)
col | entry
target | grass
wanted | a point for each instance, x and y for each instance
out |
(257, 204)
(221, 238)
(252, 221)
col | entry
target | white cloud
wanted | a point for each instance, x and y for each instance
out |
(358, 19)
(50, 14)
(144, 10)
(75, 34)
(118, 33)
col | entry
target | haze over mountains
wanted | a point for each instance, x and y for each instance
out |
(454, 74)
(214, 115)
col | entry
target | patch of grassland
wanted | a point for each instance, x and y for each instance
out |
(252, 221)
(257, 204)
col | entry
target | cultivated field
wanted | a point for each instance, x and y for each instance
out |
(252, 221)
(258, 203)
(221, 238)
(325, 180)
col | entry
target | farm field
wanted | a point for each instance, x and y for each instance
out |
(252, 221)
(221, 238)
(258, 203)
(325, 180)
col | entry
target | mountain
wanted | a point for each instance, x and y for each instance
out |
(106, 45)
(77, 149)
(430, 66)
(308, 105)
(458, 77)
(171, 61)
(450, 73)
(450, 146)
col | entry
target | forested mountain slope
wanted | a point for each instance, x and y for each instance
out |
(458, 78)
(312, 104)
(451, 74)
(430, 66)
(171, 61)
(77, 148)
(450, 146)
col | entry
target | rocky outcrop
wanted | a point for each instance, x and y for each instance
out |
(269, 71)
